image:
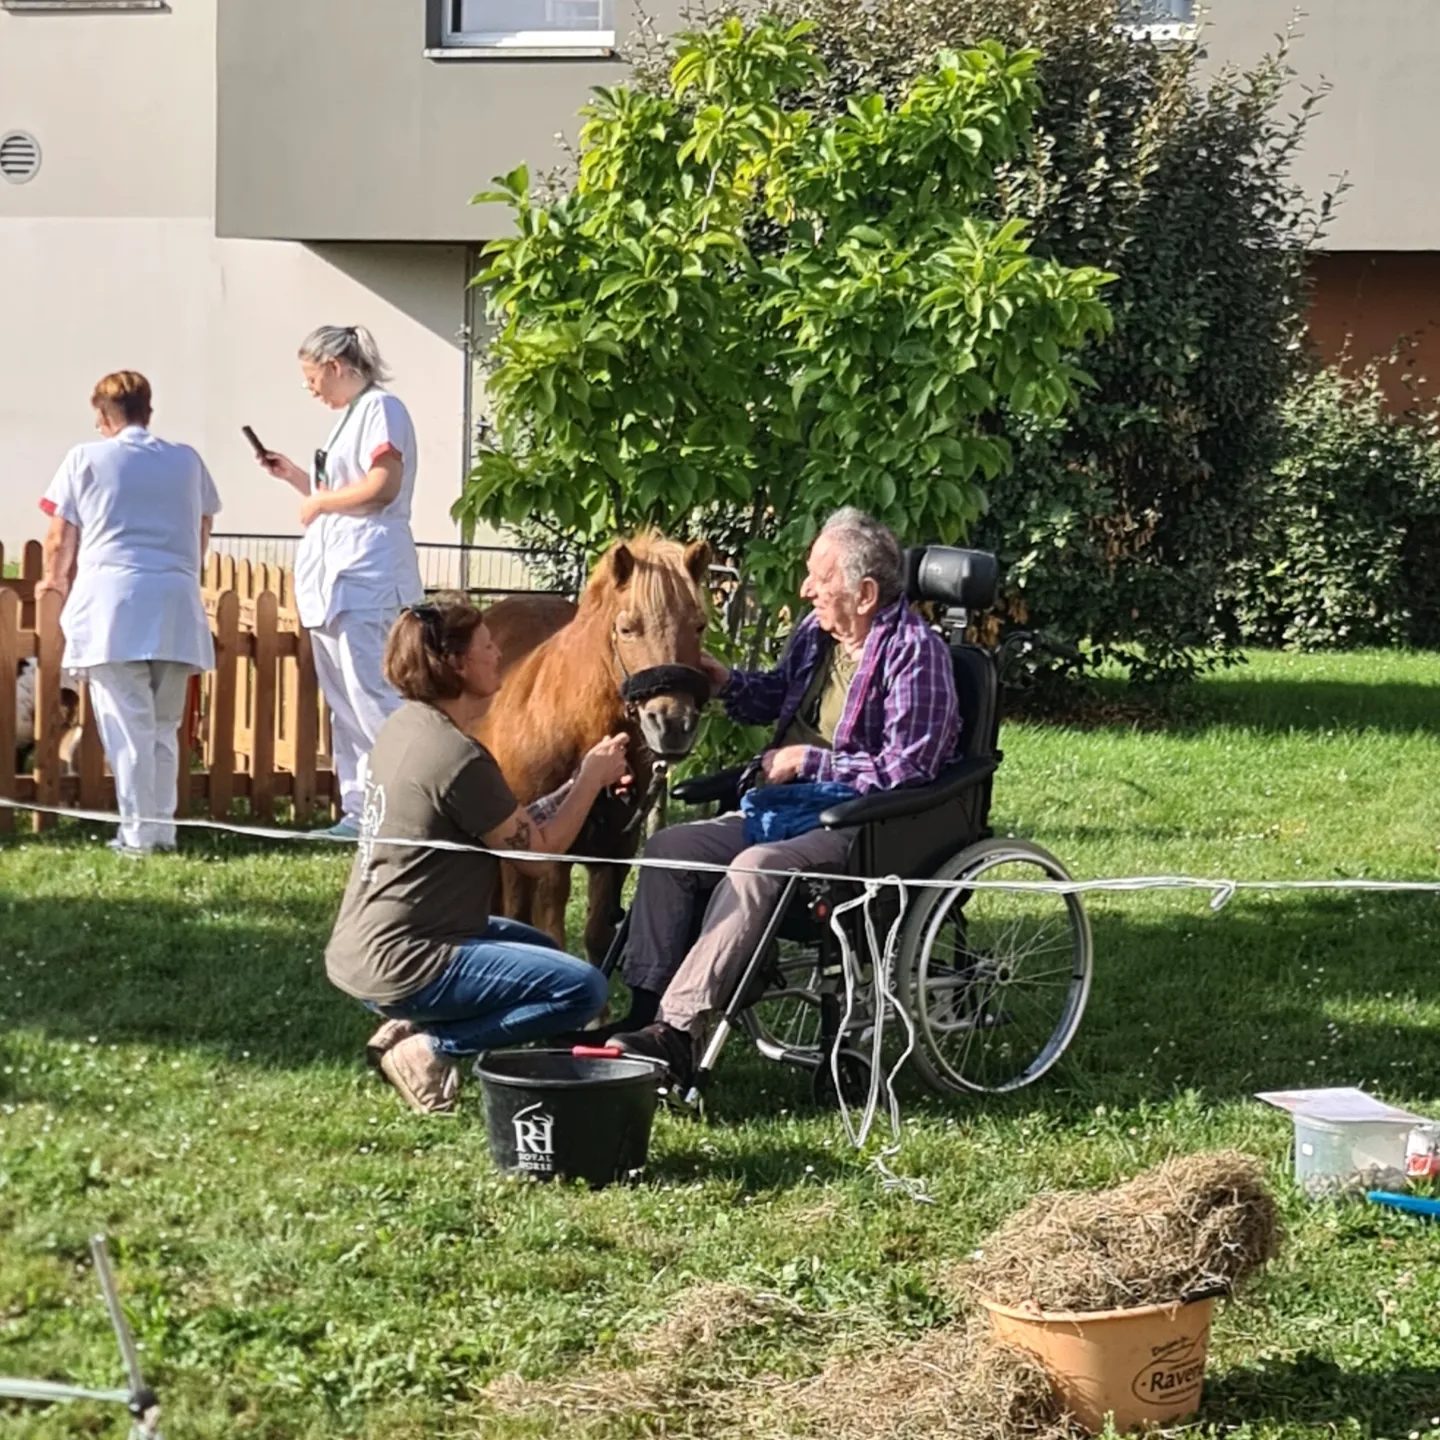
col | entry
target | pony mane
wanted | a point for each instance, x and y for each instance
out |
(661, 582)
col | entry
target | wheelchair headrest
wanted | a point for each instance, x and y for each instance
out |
(962, 579)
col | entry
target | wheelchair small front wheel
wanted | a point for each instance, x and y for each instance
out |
(995, 980)
(854, 1081)
(786, 1023)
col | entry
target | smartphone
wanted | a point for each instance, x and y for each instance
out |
(260, 451)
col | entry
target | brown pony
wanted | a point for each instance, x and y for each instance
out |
(626, 658)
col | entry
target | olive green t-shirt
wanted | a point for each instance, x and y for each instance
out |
(406, 908)
(823, 703)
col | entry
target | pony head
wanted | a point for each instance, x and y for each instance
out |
(648, 592)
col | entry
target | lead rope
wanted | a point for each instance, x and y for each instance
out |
(884, 1000)
(654, 792)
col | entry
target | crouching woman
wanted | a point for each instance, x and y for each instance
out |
(413, 940)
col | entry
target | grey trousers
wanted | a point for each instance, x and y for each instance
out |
(696, 983)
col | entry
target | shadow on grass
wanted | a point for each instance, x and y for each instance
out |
(1307, 989)
(227, 976)
(1312, 990)
(1302, 991)
(1272, 704)
(757, 1161)
(1239, 700)
(1309, 1390)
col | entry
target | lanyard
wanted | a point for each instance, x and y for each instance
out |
(321, 456)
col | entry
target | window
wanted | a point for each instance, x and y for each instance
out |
(41, 5)
(1162, 12)
(584, 26)
(1164, 19)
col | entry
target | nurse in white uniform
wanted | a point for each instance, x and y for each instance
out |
(130, 519)
(356, 566)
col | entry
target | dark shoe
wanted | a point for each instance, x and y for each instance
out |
(673, 1048)
(643, 1005)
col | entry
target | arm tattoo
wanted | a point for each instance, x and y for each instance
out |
(542, 812)
(518, 838)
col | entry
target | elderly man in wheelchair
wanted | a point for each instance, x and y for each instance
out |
(863, 701)
(886, 734)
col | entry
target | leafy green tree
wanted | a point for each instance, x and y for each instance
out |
(739, 314)
(1122, 528)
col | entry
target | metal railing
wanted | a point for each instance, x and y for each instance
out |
(473, 569)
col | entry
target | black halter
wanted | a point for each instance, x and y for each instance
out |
(645, 685)
(665, 680)
(658, 680)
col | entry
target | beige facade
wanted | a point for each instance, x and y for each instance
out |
(109, 259)
(218, 176)
(1375, 127)
(416, 129)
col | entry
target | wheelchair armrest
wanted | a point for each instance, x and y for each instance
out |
(949, 784)
(703, 789)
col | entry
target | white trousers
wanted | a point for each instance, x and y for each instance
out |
(349, 654)
(139, 705)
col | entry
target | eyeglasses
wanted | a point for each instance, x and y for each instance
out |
(432, 626)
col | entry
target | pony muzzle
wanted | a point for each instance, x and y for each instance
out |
(666, 701)
(669, 725)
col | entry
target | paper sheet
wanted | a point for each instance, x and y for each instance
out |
(1340, 1104)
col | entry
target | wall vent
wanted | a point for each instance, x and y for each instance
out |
(19, 156)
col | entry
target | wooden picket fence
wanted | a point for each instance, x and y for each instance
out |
(256, 730)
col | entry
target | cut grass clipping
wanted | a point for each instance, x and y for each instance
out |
(1191, 1225)
(957, 1382)
(1197, 1225)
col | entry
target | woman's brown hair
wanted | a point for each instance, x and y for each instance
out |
(127, 392)
(424, 643)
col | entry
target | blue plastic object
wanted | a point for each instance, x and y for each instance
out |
(1410, 1204)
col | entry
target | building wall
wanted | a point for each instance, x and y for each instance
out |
(1376, 127)
(407, 143)
(436, 131)
(1372, 305)
(332, 127)
(109, 259)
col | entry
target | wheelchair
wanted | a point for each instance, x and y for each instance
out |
(994, 981)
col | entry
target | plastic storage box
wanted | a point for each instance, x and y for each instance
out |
(1336, 1155)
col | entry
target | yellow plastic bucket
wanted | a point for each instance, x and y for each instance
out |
(1144, 1366)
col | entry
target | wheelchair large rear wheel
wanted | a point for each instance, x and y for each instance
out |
(995, 980)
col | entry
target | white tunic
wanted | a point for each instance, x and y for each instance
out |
(138, 502)
(361, 562)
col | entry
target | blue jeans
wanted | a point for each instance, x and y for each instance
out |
(509, 986)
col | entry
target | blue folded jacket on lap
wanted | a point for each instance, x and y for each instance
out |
(781, 812)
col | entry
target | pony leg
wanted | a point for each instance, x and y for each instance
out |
(514, 895)
(604, 909)
(551, 892)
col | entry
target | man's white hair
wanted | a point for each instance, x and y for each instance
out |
(867, 549)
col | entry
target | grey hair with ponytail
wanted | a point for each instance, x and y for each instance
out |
(351, 345)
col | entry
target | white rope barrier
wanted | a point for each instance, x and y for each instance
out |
(1220, 889)
(885, 1002)
(883, 999)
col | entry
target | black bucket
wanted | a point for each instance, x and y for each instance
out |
(555, 1115)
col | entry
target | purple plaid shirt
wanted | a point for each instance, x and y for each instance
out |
(901, 719)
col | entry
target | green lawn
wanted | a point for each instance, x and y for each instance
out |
(304, 1259)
